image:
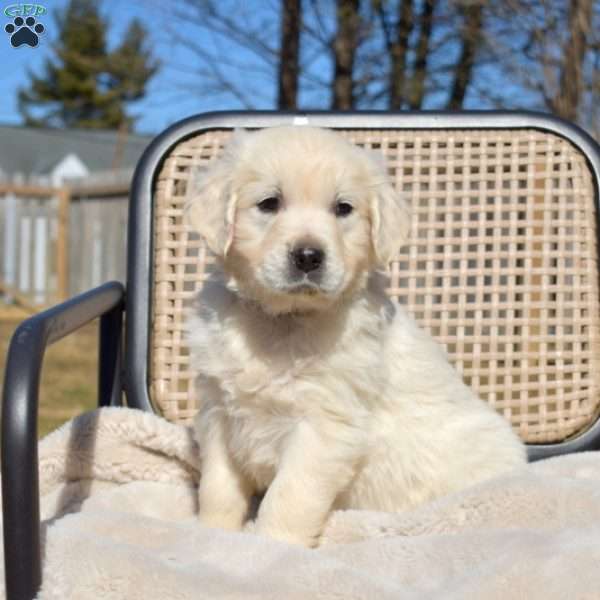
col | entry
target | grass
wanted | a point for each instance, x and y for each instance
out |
(69, 374)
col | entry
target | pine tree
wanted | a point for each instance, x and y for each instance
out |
(84, 85)
(131, 65)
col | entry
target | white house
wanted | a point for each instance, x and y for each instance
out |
(53, 155)
(28, 226)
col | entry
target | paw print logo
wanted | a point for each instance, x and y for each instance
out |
(24, 31)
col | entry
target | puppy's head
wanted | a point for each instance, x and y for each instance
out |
(298, 216)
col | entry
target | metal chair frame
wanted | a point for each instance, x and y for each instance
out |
(109, 303)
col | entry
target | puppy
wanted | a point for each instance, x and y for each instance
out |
(315, 388)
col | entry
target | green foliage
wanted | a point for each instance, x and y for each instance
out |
(84, 85)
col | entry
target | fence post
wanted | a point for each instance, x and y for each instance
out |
(8, 272)
(62, 244)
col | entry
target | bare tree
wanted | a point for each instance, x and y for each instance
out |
(567, 98)
(289, 55)
(344, 50)
(231, 51)
(470, 41)
(392, 53)
(397, 54)
(421, 41)
(396, 39)
(422, 52)
(250, 57)
(549, 52)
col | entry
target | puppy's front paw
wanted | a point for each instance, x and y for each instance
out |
(231, 520)
(250, 527)
(300, 538)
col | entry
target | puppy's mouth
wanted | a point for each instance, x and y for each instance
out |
(305, 288)
(281, 283)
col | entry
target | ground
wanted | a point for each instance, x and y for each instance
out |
(69, 375)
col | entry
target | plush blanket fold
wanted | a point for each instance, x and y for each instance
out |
(118, 499)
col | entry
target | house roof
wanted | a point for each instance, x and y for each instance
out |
(35, 151)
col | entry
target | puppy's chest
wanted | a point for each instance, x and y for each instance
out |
(256, 440)
(271, 376)
(286, 367)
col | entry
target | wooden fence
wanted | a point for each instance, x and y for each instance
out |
(58, 242)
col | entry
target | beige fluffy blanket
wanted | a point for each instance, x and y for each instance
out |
(119, 503)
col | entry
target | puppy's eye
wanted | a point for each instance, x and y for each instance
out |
(342, 209)
(269, 205)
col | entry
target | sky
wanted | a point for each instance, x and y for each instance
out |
(166, 101)
(174, 93)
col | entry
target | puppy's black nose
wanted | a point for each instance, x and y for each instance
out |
(307, 259)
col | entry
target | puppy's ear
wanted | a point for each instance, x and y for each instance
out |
(390, 222)
(211, 202)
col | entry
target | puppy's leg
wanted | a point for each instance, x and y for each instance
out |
(224, 493)
(314, 468)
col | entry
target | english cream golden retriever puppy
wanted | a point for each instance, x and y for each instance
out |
(315, 388)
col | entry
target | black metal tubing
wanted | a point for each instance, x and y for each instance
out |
(110, 368)
(588, 440)
(20, 479)
(139, 273)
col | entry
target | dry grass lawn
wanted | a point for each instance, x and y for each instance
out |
(69, 375)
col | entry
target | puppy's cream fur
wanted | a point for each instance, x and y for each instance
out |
(320, 391)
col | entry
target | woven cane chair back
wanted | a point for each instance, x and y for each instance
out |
(501, 268)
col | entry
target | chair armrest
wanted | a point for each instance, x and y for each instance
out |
(20, 477)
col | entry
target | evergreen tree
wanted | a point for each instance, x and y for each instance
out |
(84, 85)
(131, 65)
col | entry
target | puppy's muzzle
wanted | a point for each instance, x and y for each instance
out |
(307, 259)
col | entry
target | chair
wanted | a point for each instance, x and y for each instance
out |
(501, 267)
